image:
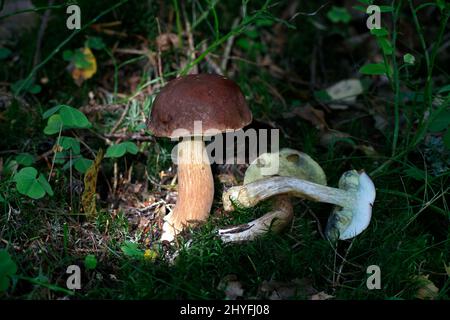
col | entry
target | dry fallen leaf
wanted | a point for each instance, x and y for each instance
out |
(231, 287)
(368, 150)
(330, 137)
(227, 179)
(315, 116)
(321, 296)
(427, 290)
(277, 290)
(81, 74)
(90, 184)
(166, 41)
(344, 91)
(143, 224)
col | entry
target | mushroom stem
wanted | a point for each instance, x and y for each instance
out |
(275, 220)
(250, 194)
(195, 188)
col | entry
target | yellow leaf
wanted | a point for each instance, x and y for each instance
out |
(150, 255)
(90, 184)
(81, 74)
(427, 290)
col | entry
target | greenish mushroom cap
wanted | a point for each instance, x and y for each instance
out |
(347, 223)
(292, 163)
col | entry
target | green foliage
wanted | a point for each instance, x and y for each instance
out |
(339, 14)
(54, 125)
(446, 139)
(80, 163)
(32, 184)
(10, 167)
(25, 159)
(4, 53)
(408, 234)
(118, 150)
(95, 43)
(373, 69)
(77, 57)
(90, 262)
(69, 143)
(440, 122)
(385, 45)
(382, 36)
(8, 268)
(64, 117)
(25, 85)
(381, 32)
(83, 164)
(131, 249)
(409, 59)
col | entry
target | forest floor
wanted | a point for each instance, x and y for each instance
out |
(290, 59)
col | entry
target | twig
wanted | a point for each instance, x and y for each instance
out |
(228, 47)
(31, 10)
(344, 260)
(210, 62)
(40, 36)
(54, 156)
(158, 56)
(122, 116)
(124, 136)
(190, 39)
(101, 108)
(71, 182)
(319, 227)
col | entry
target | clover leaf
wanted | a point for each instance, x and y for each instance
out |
(32, 184)
(64, 117)
(118, 150)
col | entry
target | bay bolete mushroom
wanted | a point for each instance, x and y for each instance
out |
(353, 199)
(291, 163)
(192, 107)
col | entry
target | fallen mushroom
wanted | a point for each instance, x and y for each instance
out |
(291, 163)
(218, 104)
(354, 199)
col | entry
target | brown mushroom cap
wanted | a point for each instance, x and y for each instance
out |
(213, 99)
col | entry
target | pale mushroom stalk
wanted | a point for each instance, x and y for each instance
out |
(354, 199)
(275, 220)
(251, 194)
(195, 188)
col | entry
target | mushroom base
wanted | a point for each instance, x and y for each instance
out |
(274, 221)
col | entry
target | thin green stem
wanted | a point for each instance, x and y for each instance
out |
(395, 77)
(216, 19)
(45, 285)
(116, 72)
(59, 6)
(413, 197)
(178, 22)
